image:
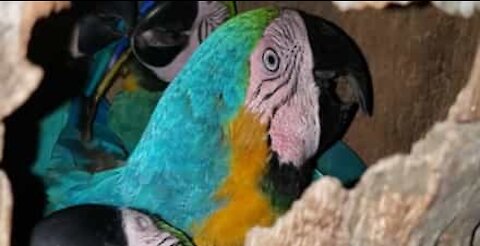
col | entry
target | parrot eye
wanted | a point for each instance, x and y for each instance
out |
(142, 222)
(271, 61)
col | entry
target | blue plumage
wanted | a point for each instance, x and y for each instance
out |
(49, 131)
(182, 156)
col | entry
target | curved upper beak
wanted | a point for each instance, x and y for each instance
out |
(335, 56)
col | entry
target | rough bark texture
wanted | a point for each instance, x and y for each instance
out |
(429, 197)
(5, 209)
(460, 8)
(359, 5)
(18, 78)
(467, 107)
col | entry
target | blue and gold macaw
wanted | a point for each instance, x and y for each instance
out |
(142, 83)
(235, 138)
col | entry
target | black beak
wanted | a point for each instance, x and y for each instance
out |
(98, 27)
(337, 56)
(126, 10)
(81, 225)
(164, 33)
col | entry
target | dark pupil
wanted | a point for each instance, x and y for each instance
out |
(271, 60)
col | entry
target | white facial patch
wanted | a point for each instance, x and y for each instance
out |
(282, 89)
(211, 14)
(141, 231)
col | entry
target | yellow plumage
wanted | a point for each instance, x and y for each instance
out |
(247, 206)
(130, 83)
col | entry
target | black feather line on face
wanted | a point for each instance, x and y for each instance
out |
(284, 182)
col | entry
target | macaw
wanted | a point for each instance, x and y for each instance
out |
(141, 87)
(161, 44)
(168, 30)
(91, 35)
(101, 34)
(234, 139)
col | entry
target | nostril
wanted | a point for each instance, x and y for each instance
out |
(344, 90)
(338, 86)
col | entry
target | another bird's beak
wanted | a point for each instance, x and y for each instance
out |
(98, 26)
(163, 33)
(338, 63)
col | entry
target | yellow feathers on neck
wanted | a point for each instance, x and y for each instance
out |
(245, 206)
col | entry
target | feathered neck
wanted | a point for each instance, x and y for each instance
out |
(184, 148)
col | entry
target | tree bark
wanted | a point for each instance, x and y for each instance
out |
(18, 79)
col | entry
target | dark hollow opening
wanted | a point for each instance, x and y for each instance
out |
(63, 79)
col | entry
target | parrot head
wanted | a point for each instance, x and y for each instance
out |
(300, 70)
(165, 39)
(308, 79)
(104, 225)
